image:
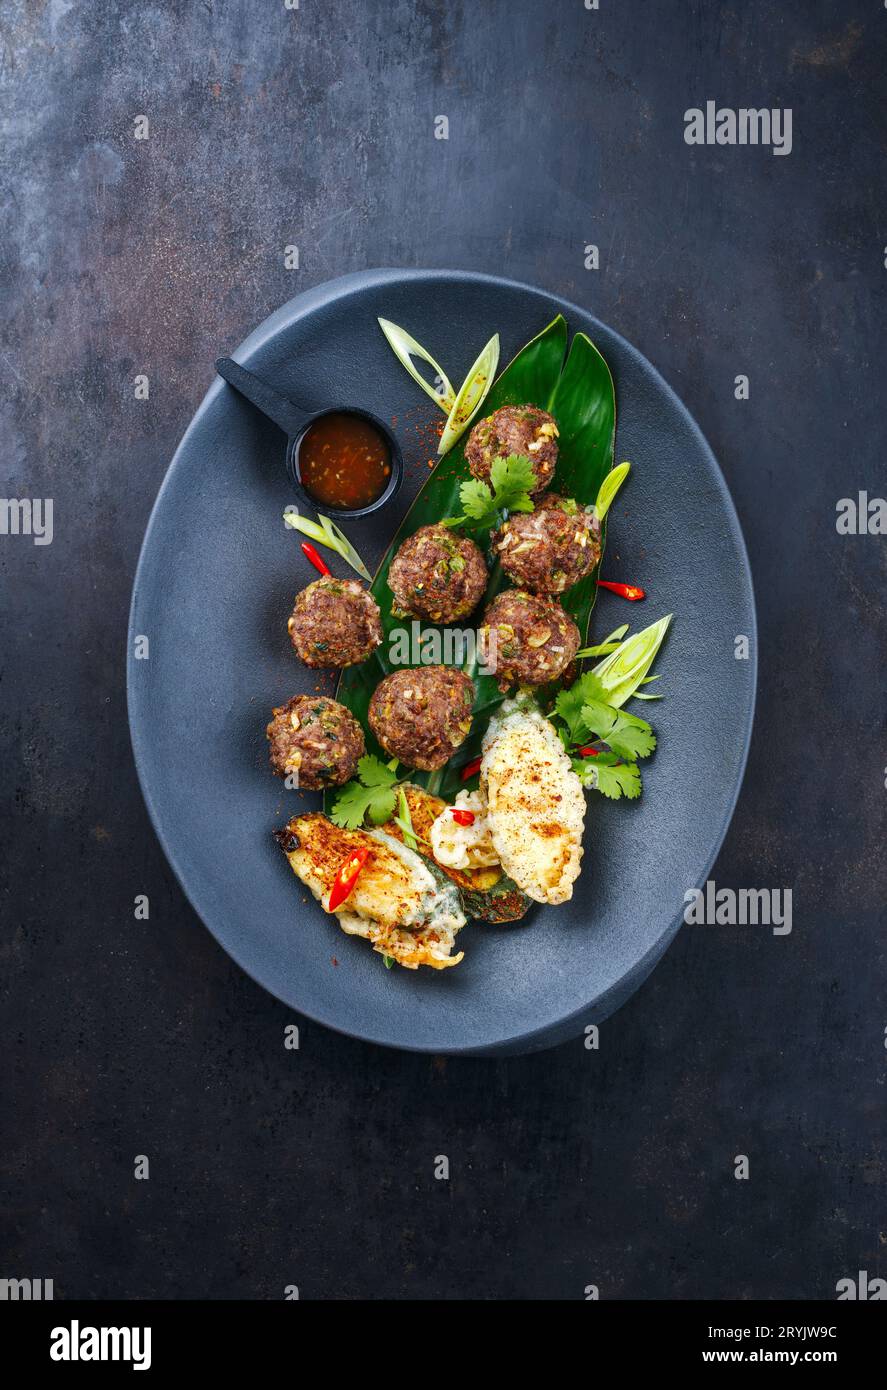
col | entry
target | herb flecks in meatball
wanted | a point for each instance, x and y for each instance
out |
(515, 429)
(335, 622)
(316, 741)
(422, 715)
(437, 575)
(552, 548)
(527, 639)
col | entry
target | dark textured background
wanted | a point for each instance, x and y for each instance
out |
(271, 1167)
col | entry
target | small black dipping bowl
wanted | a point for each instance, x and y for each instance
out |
(295, 423)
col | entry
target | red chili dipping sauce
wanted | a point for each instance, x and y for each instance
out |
(344, 461)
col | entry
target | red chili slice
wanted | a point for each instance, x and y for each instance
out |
(462, 817)
(629, 591)
(470, 769)
(588, 752)
(346, 877)
(317, 560)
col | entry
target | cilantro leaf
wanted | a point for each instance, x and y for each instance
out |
(476, 499)
(608, 776)
(374, 773)
(511, 480)
(587, 690)
(373, 795)
(355, 802)
(622, 780)
(597, 717)
(351, 805)
(628, 736)
(588, 714)
(631, 738)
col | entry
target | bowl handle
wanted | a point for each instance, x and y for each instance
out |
(277, 407)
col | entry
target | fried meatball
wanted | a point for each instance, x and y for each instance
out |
(335, 622)
(551, 548)
(437, 575)
(527, 640)
(515, 429)
(421, 716)
(316, 740)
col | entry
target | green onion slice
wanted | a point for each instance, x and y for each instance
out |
(609, 487)
(405, 820)
(405, 348)
(602, 649)
(623, 672)
(472, 395)
(339, 541)
(609, 644)
(325, 532)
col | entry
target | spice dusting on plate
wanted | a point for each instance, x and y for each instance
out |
(344, 461)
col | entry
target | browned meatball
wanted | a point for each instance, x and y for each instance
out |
(527, 640)
(551, 548)
(437, 575)
(515, 429)
(421, 715)
(335, 623)
(316, 741)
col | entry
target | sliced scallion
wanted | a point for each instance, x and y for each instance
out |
(472, 395)
(623, 672)
(405, 348)
(325, 532)
(609, 644)
(404, 820)
(609, 487)
(602, 649)
(339, 541)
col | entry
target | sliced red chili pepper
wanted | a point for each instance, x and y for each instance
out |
(346, 876)
(317, 560)
(462, 817)
(588, 752)
(629, 591)
(470, 769)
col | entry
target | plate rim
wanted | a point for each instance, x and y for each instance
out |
(299, 306)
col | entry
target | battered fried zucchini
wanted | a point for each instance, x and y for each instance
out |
(488, 895)
(404, 906)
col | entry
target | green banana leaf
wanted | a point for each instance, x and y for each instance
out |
(579, 393)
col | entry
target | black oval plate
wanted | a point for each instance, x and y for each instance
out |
(214, 586)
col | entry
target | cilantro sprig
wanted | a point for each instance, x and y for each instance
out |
(483, 504)
(376, 794)
(588, 718)
(624, 734)
(373, 794)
